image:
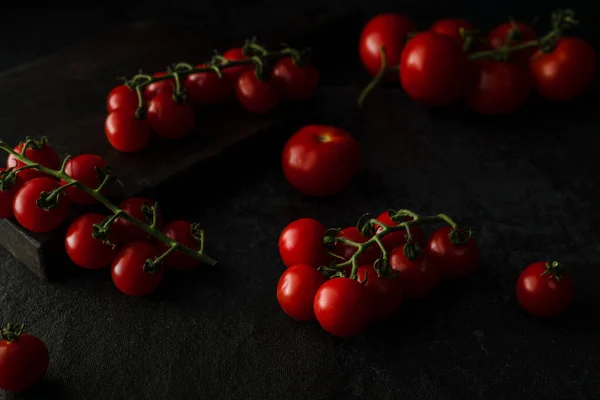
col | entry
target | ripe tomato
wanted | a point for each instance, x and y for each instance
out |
(301, 242)
(205, 88)
(184, 233)
(566, 72)
(233, 73)
(320, 160)
(398, 238)
(451, 27)
(346, 251)
(124, 231)
(122, 97)
(500, 87)
(23, 360)
(454, 260)
(545, 289)
(296, 82)
(434, 69)
(385, 292)
(7, 196)
(388, 30)
(125, 132)
(498, 36)
(85, 169)
(82, 248)
(255, 95)
(128, 273)
(342, 307)
(418, 277)
(39, 152)
(34, 218)
(168, 118)
(296, 291)
(164, 86)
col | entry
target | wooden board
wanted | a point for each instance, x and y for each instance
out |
(63, 96)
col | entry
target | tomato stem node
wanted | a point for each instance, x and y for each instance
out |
(12, 332)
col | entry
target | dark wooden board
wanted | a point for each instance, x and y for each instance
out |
(62, 96)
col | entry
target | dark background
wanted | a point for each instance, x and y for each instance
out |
(526, 183)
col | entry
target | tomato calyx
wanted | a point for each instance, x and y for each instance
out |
(102, 231)
(49, 200)
(150, 214)
(365, 226)
(12, 332)
(554, 269)
(411, 250)
(198, 234)
(8, 179)
(31, 144)
(459, 236)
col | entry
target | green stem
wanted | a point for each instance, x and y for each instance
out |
(383, 71)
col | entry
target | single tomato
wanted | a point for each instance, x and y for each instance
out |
(385, 292)
(295, 81)
(455, 252)
(204, 88)
(170, 118)
(128, 273)
(498, 36)
(186, 234)
(320, 160)
(296, 291)
(8, 189)
(39, 152)
(256, 95)
(89, 170)
(418, 274)
(33, 217)
(545, 289)
(301, 242)
(125, 132)
(140, 209)
(122, 97)
(85, 250)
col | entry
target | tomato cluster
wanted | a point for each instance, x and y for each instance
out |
(40, 196)
(346, 279)
(166, 102)
(492, 74)
(23, 359)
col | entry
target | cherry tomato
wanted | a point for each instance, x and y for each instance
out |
(296, 82)
(39, 152)
(385, 292)
(301, 242)
(34, 218)
(122, 97)
(320, 160)
(233, 73)
(296, 291)
(498, 36)
(500, 87)
(545, 289)
(454, 260)
(451, 27)
(388, 30)
(187, 234)
(125, 132)
(255, 95)
(566, 72)
(85, 168)
(418, 277)
(23, 360)
(342, 307)
(124, 231)
(346, 251)
(164, 86)
(128, 273)
(434, 69)
(82, 248)
(168, 118)
(398, 238)
(7, 196)
(205, 88)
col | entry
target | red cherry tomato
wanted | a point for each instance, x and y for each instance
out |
(85, 169)
(124, 231)
(301, 242)
(346, 251)
(385, 292)
(233, 73)
(125, 132)
(320, 160)
(34, 218)
(168, 118)
(454, 260)
(255, 95)
(434, 69)
(205, 88)
(498, 36)
(500, 87)
(296, 82)
(82, 248)
(566, 72)
(451, 27)
(418, 277)
(388, 30)
(342, 307)
(7, 196)
(23, 361)
(398, 238)
(39, 152)
(296, 291)
(128, 273)
(122, 97)
(186, 234)
(545, 289)
(165, 86)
